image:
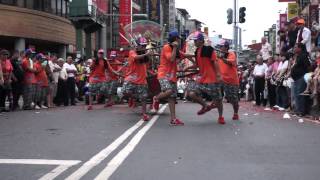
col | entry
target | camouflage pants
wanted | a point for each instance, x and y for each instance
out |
(231, 92)
(213, 90)
(136, 90)
(168, 85)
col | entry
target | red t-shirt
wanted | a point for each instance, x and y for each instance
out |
(98, 74)
(137, 72)
(6, 69)
(41, 75)
(207, 73)
(229, 73)
(29, 77)
(167, 69)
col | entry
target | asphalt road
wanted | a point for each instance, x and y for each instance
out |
(72, 143)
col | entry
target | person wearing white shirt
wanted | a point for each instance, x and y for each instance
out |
(62, 90)
(282, 92)
(266, 49)
(259, 79)
(55, 69)
(71, 70)
(304, 35)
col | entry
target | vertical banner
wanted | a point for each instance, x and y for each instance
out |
(293, 10)
(283, 20)
(172, 15)
(124, 19)
(154, 10)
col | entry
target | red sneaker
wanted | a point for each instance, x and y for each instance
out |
(235, 117)
(109, 104)
(155, 103)
(204, 110)
(90, 108)
(221, 120)
(176, 122)
(145, 117)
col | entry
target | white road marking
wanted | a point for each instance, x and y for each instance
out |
(114, 164)
(55, 173)
(63, 165)
(39, 162)
(98, 158)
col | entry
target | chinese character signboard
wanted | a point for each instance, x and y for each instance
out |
(124, 19)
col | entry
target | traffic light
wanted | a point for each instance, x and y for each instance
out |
(242, 15)
(230, 16)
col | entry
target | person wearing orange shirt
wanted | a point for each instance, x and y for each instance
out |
(112, 75)
(135, 82)
(208, 80)
(167, 76)
(228, 67)
(42, 87)
(29, 81)
(98, 83)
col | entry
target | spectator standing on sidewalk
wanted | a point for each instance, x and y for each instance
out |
(42, 81)
(29, 80)
(259, 78)
(71, 82)
(304, 35)
(271, 87)
(292, 33)
(282, 93)
(266, 49)
(299, 69)
(6, 76)
(18, 75)
(62, 85)
(53, 86)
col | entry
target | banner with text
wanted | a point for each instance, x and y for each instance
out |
(124, 19)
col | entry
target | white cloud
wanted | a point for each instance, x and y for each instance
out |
(260, 15)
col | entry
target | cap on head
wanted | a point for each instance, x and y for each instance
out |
(29, 52)
(300, 22)
(141, 41)
(100, 51)
(40, 56)
(224, 43)
(198, 36)
(113, 54)
(4, 52)
(174, 34)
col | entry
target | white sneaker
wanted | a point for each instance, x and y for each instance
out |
(281, 109)
(32, 104)
(267, 109)
(37, 107)
(44, 107)
(276, 106)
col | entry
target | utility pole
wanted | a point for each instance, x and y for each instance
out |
(235, 28)
(240, 39)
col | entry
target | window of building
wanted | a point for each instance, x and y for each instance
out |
(29, 4)
(59, 7)
(8, 2)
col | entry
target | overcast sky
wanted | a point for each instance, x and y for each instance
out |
(260, 15)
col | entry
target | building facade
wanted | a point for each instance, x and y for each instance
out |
(40, 24)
